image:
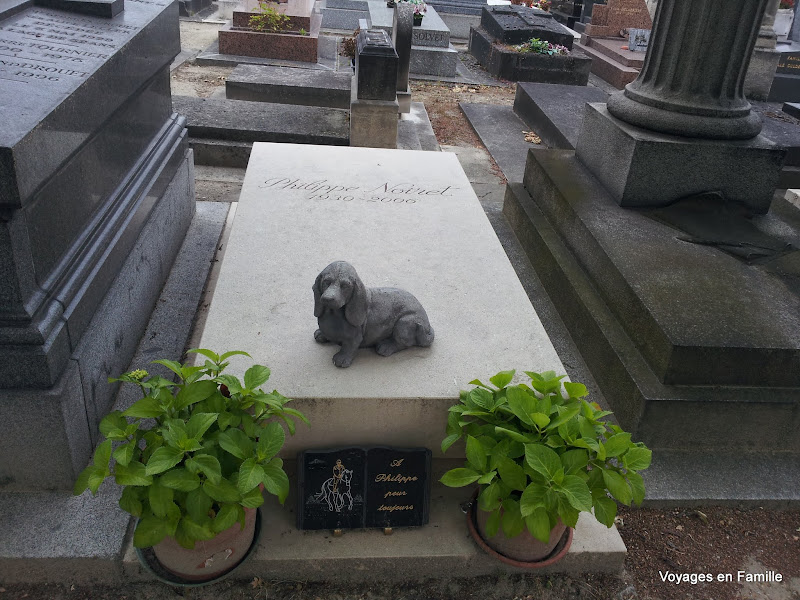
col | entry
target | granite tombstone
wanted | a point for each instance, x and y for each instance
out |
(611, 19)
(96, 188)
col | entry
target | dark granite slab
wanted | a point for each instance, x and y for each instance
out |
(63, 65)
(555, 111)
(517, 24)
(284, 85)
(635, 293)
(376, 66)
(93, 8)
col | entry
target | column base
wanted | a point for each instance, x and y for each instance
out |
(684, 124)
(642, 168)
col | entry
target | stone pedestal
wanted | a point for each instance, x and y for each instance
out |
(691, 90)
(96, 192)
(373, 105)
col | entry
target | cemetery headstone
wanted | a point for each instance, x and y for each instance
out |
(92, 165)
(786, 82)
(373, 98)
(503, 26)
(638, 40)
(348, 488)
(611, 19)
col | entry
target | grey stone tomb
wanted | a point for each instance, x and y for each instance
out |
(96, 193)
(687, 308)
(402, 33)
(356, 316)
(373, 98)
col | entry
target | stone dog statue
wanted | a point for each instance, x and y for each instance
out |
(355, 316)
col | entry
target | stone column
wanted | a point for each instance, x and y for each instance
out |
(692, 81)
(402, 30)
(765, 57)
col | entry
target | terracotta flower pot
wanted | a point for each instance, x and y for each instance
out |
(211, 558)
(523, 550)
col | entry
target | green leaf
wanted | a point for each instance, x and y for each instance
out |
(199, 423)
(195, 392)
(574, 461)
(577, 492)
(502, 379)
(270, 441)
(514, 435)
(160, 498)
(569, 514)
(521, 403)
(449, 441)
(134, 473)
(254, 498)
(124, 453)
(173, 366)
(617, 444)
(130, 502)
(206, 464)
(564, 415)
(83, 480)
(224, 491)
(512, 474)
(575, 390)
(605, 509)
(96, 478)
(207, 353)
(162, 459)
(545, 383)
(255, 376)
(543, 460)
(493, 523)
(149, 532)
(511, 521)
(146, 408)
(198, 530)
(538, 524)
(227, 355)
(637, 459)
(637, 486)
(198, 503)
(250, 475)
(487, 478)
(540, 419)
(489, 498)
(226, 518)
(275, 480)
(482, 398)
(180, 479)
(236, 442)
(102, 455)
(459, 477)
(476, 455)
(532, 498)
(617, 485)
(113, 425)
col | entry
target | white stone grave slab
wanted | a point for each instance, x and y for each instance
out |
(406, 219)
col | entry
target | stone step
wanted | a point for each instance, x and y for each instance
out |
(612, 47)
(555, 111)
(244, 121)
(609, 69)
(286, 85)
(441, 549)
(792, 108)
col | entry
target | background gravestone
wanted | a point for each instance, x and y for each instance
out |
(402, 33)
(609, 20)
(373, 96)
(96, 193)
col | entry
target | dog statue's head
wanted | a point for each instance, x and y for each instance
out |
(337, 286)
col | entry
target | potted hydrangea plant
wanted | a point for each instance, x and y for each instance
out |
(193, 457)
(540, 457)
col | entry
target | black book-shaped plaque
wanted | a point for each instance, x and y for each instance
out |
(355, 487)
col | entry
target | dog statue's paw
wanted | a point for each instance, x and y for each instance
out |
(343, 360)
(386, 347)
(320, 337)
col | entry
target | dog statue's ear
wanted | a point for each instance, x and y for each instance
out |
(355, 311)
(317, 296)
